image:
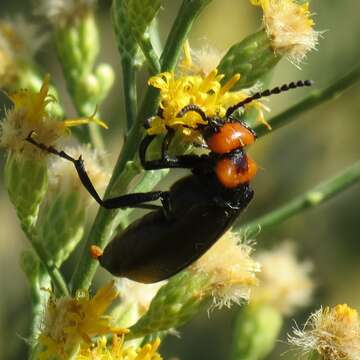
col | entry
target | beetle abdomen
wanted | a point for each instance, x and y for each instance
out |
(154, 248)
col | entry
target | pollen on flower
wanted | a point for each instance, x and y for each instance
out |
(118, 351)
(333, 332)
(285, 282)
(62, 12)
(290, 27)
(29, 115)
(231, 270)
(194, 86)
(70, 322)
(63, 178)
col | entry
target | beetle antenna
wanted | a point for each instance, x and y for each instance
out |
(195, 108)
(268, 92)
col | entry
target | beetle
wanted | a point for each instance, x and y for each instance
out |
(196, 211)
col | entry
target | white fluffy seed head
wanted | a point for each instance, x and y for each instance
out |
(231, 270)
(285, 282)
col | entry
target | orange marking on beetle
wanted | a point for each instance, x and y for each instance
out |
(231, 176)
(95, 252)
(231, 136)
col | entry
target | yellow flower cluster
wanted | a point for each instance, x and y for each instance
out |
(333, 332)
(29, 114)
(203, 90)
(117, 351)
(290, 27)
(70, 323)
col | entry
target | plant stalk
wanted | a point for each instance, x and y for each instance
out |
(50, 267)
(308, 200)
(103, 226)
(316, 97)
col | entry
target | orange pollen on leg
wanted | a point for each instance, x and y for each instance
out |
(231, 136)
(95, 252)
(231, 175)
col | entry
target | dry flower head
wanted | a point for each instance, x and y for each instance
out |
(290, 28)
(333, 332)
(231, 270)
(285, 282)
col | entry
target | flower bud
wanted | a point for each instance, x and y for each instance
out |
(252, 58)
(256, 331)
(26, 182)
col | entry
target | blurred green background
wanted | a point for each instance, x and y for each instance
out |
(318, 145)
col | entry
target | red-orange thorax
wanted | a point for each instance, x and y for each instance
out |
(232, 175)
(230, 136)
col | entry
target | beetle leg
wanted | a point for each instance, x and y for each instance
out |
(135, 200)
(166, 143)
(166, 162)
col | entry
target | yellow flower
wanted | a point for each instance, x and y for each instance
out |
(231, 270)
(333, 332)
(289, 27)
(117, 351)
(285, 282)
(29, 114)
(72, 322)
(203, 90)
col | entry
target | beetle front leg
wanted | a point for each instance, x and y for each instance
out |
(165, 162)
(135, 200)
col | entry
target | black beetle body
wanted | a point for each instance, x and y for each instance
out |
(195, 212)
(154, 248)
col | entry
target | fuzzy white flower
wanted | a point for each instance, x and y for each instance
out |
(231, 270)
(285, 282)
(333, 332)
(61, 12)
(290, 28)
(138, 294)
(200, 61)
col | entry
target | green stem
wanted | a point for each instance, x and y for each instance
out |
(308, 200)
(189, 11)
(104, 223)
(316, 97)
(130, 91)
(39, 298)
(150, 54)
(50, 267)
(314, 355)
